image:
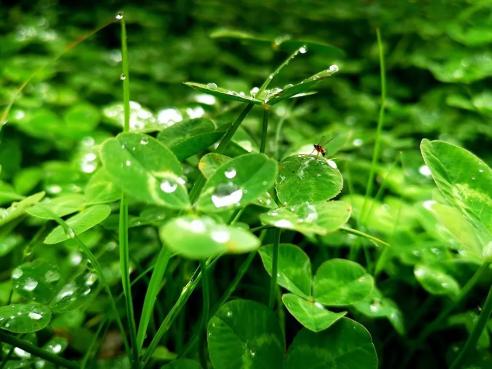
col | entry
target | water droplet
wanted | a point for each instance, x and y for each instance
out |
(128, 163)
(54, 189)
(35, 316)
(254, 91)
(67, 291)
(221, 236)
(168, 187)
(230, 173)
(56, 348)
(194, 113)
(332, 164)
(17, 273)
(229, 314)
(425, 170)
(375, 306)
(30, 284)
(51, 276)
(252, 353)
(181, 181)
(21, 353)
(119, 16)
(90, 279)
(144, 141)
(428, 204)
(303, 49)
(226, 195)
(283, 223)
(334, 68)
(70, 233)
(206, 99)
(75, 258)
(122, 76)
(357, 142)
(169, 117)
(318, 305)
(212, 85)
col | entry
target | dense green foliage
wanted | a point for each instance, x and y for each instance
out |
(163, 205)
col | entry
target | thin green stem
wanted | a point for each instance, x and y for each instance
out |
(123, 221)
(437, 323)
(373, 239)
(125, 76)
(264, 130)
(175, 310)
(379, 129)
(225, 296)
(232, 129)
(200, 181)
(272, 75)
(36, 351)
(273, 280)
(205, 315)
(472, 340)
(153, 289)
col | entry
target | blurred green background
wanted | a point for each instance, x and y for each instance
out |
(439, 64)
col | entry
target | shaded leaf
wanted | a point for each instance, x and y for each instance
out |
(245, 334)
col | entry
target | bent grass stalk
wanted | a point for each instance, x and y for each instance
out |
(18, 91)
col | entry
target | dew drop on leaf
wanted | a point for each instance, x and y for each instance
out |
(230, 173)
(168, 187)
(30, 284)
(226, 195)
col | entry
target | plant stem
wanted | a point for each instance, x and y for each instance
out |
(160, 268)
(205, 314)
(273, 281)
(379, 129)
(232, 129)
(472, 340)
(34, 350)
(198, 185)
(175, 310)
(264, 130)
(123, 221)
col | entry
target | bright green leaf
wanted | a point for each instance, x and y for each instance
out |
(238, 182)
(435, 280)
(145, 169)
(319, 218)
(37, 280)
(16, 209)
(228, 95)
(464, 181)
(202, 237)
(307, 178)
(340, 282)
(24, 318)
(347, 345)
(83, 221)
(310, 314)
(57, 207)
(294, 268)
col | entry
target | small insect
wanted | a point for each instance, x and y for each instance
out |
(320, 147)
